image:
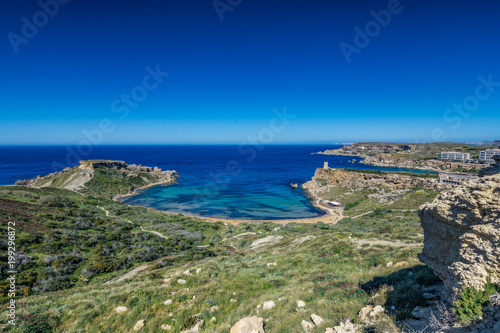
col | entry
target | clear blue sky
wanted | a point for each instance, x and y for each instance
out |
(226, 76)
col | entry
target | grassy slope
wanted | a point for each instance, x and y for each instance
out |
(73, 243)
(331, 273)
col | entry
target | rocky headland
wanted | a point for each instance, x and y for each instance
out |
(78, 178)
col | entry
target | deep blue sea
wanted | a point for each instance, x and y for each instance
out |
(217, 181)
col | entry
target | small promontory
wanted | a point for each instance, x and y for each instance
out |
(103, 178)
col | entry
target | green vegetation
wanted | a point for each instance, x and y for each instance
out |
(327, 270)
(64, 240)
(109, 183)
(83, 255)
(469, 307)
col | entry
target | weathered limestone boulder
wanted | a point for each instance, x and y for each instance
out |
(462, 234)
(249, 325)
(139, 325)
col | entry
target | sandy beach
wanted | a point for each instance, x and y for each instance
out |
(331, 218)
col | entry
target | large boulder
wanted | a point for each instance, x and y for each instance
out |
(462, 234)
(248, 325)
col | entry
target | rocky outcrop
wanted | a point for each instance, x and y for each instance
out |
(341, 177)
(462, 234)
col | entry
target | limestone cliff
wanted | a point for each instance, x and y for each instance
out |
(462, 234)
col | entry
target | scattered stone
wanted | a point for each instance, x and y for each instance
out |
(248, 325)
(187, 272)
(268, 305)
(389, 264)
(300, 304)
(196, 328)
(139, 325)
(232, 300)
(317, 320)
(166, 280)
(121, 309)
(306, 325)
(166, 327)
(214, 308)
(213, 320)
(198, 271)
(420, 313)
(401, 264)
(376, 310)
(364, 312)
(180, 281)
(347, 327)
(271, 264)
(170, 314)
(430, 296)
(168, 302)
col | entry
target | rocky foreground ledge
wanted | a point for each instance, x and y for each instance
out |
(462, 234)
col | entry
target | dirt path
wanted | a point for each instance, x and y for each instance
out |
(372, 242)
(154, 232)
(130, 274)
(355, 217)
(142, 229)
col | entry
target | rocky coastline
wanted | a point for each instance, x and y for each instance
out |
(399, 156)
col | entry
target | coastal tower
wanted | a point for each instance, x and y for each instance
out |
(325, 166)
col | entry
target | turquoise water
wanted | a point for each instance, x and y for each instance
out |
(239, 182)
(266, 202)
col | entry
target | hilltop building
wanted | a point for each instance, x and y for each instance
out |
(453, 156)
(92, 164)
(487, 155)
(455, 179)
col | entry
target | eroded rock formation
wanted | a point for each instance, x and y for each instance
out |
(462, 234)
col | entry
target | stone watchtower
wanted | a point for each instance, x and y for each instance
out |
(325, 165)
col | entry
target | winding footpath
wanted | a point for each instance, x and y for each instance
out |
(136, 270)
(142, 229)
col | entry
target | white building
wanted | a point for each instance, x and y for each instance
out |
(453, 156)
(487, 155)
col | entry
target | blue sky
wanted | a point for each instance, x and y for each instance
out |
(225, 77)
